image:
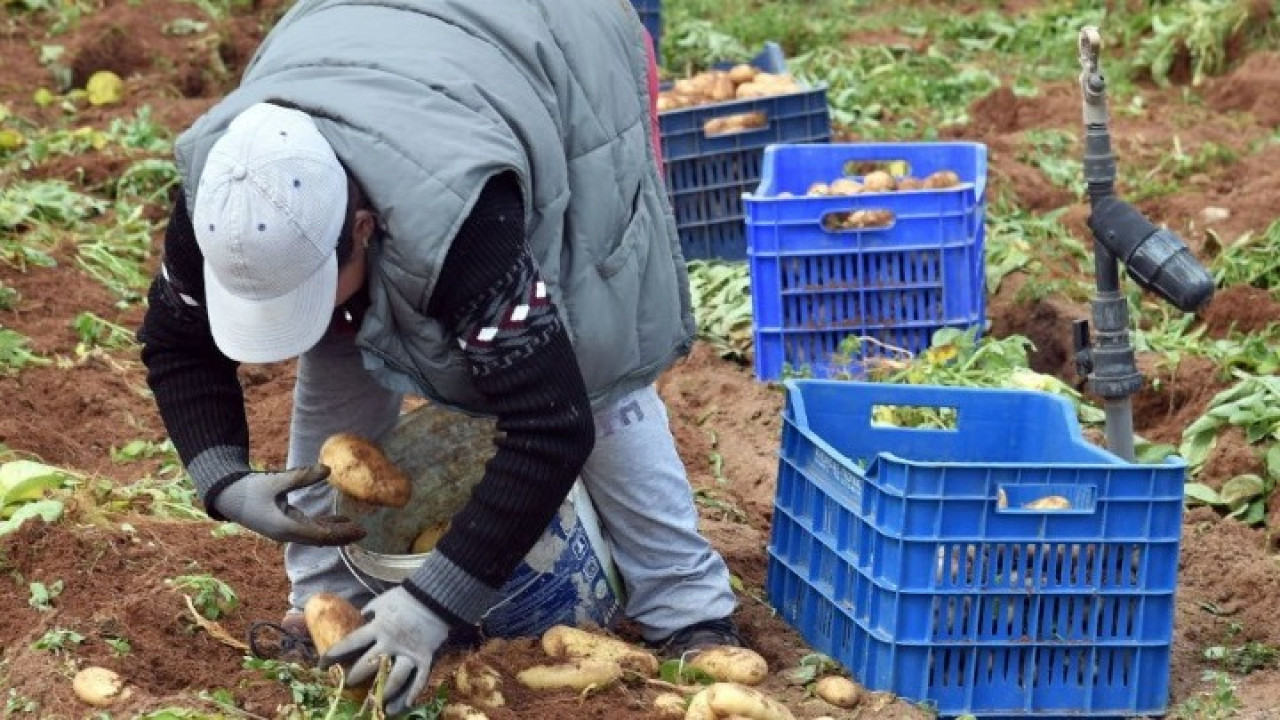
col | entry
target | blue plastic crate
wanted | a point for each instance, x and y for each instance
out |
(650, 12)
(909, 554)
(813, 287)
(707, 175)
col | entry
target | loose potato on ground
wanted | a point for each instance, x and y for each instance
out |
(722, 701)
(360, 469)
(330, 618)
(839, 691)
(572, 643)
(669, 705)
(480, 683)
(459, 711)
(732, 664)
(100, 687)
(576, 675)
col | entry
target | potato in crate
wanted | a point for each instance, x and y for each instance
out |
(997, 564)
(715, 126)
(863, 240)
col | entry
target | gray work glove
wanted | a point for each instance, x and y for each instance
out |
(407, 632)
(258, 501)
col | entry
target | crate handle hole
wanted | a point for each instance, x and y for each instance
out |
(930, 417)
(736, 124)
(862, 168)
(858, 220)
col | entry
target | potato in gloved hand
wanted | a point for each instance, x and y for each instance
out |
(360, 469)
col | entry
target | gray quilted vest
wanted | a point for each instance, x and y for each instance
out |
(424, 100)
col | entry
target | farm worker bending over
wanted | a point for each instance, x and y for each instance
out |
(458, 200)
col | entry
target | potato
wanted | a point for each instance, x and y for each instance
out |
(732, 664)
(819, 188)
(687, 86)
(669, 705)
(100, 687)
(1052, 502)
(699, 708)
(752, 89)
(576, 675)
(845, 186)
(459, 711)
(571, 643)
(721, 701)
(864, 219)
(742, 73)
(721, 89)
(428, 538)
(360, 469)
(910, 183)
(669, 101)
(879, 181)
(941, 180)
(330, 618)
(479, 682)
(778, 83)
(734, 123)
(839, 691)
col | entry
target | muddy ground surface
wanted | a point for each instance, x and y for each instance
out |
(114, 567)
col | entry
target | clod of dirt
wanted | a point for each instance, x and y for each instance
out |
(1173, 396)
(1245, 308)
(1232, 455)
(1251, 88)
(112, 49)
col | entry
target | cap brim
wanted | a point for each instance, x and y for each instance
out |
(266, 331)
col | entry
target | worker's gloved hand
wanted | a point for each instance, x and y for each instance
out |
(403, 629)
(258, 501)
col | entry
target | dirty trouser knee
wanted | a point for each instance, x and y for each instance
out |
(638, 484)
(333, 394)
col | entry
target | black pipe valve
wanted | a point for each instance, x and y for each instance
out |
(1155, 257)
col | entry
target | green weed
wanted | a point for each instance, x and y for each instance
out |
(15, 353)
(93, 331)
(1217, 703)
(42, 596)
(58, 640)
(211, 597)
(1197, 34)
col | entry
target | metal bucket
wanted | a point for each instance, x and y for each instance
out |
(567, 578)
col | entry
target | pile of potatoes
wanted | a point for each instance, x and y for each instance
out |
(577, 660)
(881, 181)
(877, 181)
(582, 661)
(712, 86)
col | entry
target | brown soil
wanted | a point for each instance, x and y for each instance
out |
(1248, 87)
(1173, 396)
(727, 425)
(1242, 308)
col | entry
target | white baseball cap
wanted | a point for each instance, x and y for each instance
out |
(268, 212)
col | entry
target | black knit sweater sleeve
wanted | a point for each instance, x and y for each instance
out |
(194, 384)
(520, 356)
